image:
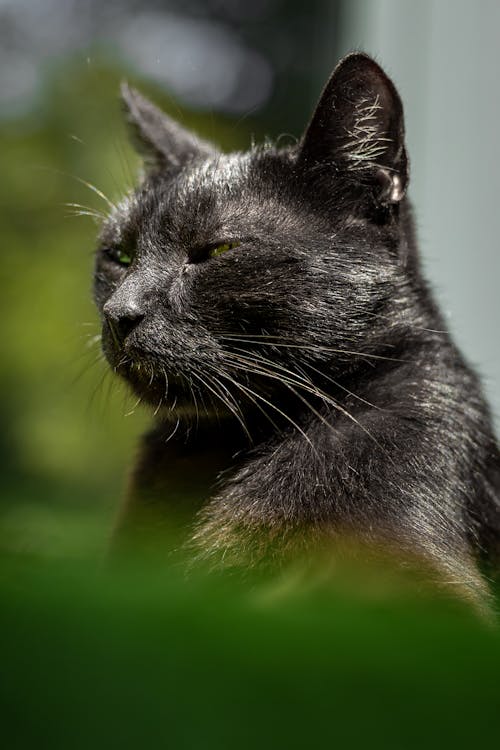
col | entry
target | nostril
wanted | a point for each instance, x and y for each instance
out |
(122, 319)
(126, 325)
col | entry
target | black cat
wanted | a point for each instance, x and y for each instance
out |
(269, 306)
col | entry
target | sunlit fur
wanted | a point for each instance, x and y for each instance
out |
(310, 362)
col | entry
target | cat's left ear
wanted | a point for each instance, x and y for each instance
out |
(357, 131)
(162, 142)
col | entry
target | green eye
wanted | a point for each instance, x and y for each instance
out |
(119, 255)
(223, 248)
(124, 258)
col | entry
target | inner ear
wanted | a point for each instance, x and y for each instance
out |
(161, 141)
(357, 131)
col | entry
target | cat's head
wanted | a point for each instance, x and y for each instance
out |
(227, 275)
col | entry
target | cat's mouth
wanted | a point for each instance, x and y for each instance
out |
(213, 390)
(149, 378)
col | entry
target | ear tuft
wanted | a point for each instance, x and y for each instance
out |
(358, 129)
(162, 142)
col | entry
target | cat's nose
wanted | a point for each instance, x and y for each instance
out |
(122, 317)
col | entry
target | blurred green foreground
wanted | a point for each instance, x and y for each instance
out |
(139, 656)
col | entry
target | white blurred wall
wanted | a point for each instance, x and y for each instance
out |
(444, 56)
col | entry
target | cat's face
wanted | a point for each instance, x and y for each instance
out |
(226, 275)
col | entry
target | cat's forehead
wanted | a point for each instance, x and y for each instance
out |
(219, 177)
(222, 188)
(218, 172)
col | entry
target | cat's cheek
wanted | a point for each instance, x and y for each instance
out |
(115, 274)
(190, 278)
(188, 269)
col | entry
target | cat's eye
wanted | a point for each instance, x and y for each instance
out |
(213, 250)
(216, 250)
(119, 255)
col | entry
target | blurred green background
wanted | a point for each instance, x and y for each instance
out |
(138, 656)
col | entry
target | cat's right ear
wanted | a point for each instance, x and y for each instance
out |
(162, 142)
(357, 133)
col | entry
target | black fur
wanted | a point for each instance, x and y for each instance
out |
(310, 364)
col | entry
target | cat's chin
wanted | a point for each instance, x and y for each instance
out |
(168, 394)
(153, 385)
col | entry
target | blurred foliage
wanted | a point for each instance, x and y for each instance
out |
(139, 656)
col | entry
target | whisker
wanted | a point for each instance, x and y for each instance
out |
(85, 210)
(300, 383)
(234, 409)
(174, 430)
(277, 409)
(93, 340)
(166, 382)
(193, 396)
(87, 184)
(342, 387)
(99, 387)
(87, 367)
(288, 383)
(256, 403)
(132, 411)
(73, 214)
(201, 392)
(307, 347)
